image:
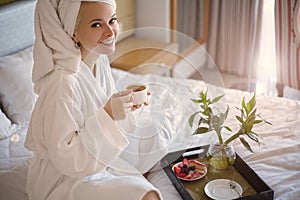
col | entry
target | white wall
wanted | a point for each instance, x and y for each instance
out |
(155, 14)
(191, 63)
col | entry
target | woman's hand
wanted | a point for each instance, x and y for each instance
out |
(145, 103)
(122, 103)
(119, 105)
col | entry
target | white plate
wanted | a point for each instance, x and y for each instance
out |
(219, 189)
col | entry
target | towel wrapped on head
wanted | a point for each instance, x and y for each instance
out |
(54, 27)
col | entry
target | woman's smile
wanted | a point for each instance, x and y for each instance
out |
(108, 42)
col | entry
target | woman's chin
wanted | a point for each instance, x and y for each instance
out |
(105, 49)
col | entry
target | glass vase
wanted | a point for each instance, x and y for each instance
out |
(221, 156)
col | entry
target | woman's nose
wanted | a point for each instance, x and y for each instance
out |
(109, 31)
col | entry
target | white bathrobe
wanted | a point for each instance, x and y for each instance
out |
(78, 149)
(76, 144)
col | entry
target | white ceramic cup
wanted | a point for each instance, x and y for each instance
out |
(139, 93)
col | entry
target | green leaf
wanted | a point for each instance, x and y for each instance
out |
(201, 120)
(264, 120)
(203, 95)
(227, 111)
(244, 104)
(267, 122)
(215, 100)
(248, 108)
(257, 121)
(254, 133)
(253, 137)
(249, 120)
(197, 100)
(252, 102)
(252, 114)
(246, 144)
(233, 137)
(192, 118)
(242, 114)
(201, 130)
(239, 118)
(229, 129)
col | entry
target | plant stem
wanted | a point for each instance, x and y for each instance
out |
(233, 137)
(219, 137)
(226, 157)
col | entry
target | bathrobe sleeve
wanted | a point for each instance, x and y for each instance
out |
(79, 144)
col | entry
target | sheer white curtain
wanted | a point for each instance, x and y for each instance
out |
(234, 35)
(266, 71)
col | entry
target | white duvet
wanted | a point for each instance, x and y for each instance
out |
(277, 161)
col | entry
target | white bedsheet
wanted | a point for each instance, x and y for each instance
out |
(14, 158)
(277, 161)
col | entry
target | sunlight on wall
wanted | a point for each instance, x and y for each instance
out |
(266, 72)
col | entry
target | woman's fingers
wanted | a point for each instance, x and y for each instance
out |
(126, 96)
(128, 105)
(146, 103)
(124, 93)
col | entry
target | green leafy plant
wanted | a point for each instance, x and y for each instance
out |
(210, 118)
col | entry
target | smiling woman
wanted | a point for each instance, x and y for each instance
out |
(73, 133)
(169, 105)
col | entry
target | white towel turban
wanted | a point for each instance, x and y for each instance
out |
(54, 26)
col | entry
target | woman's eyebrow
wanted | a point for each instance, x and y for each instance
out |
(114, 15)
(96, 20)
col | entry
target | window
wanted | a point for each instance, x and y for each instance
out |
(266, 72)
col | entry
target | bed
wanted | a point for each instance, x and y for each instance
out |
(276, 161)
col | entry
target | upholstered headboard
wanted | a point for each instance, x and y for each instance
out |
(16, 26)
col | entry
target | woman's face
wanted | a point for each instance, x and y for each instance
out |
(97, 29)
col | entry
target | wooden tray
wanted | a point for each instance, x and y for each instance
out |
(253, 186)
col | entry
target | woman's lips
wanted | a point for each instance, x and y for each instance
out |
(108, 42)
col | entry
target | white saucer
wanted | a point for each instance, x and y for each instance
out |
(219, 189)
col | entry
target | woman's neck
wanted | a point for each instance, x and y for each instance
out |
(90, 60)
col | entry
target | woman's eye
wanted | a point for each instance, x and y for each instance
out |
(96, 25)
(113, 20)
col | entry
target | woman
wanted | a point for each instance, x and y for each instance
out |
(72, 132)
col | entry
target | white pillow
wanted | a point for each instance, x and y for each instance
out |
(291, 93)
(16, 92)
(6, 127)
